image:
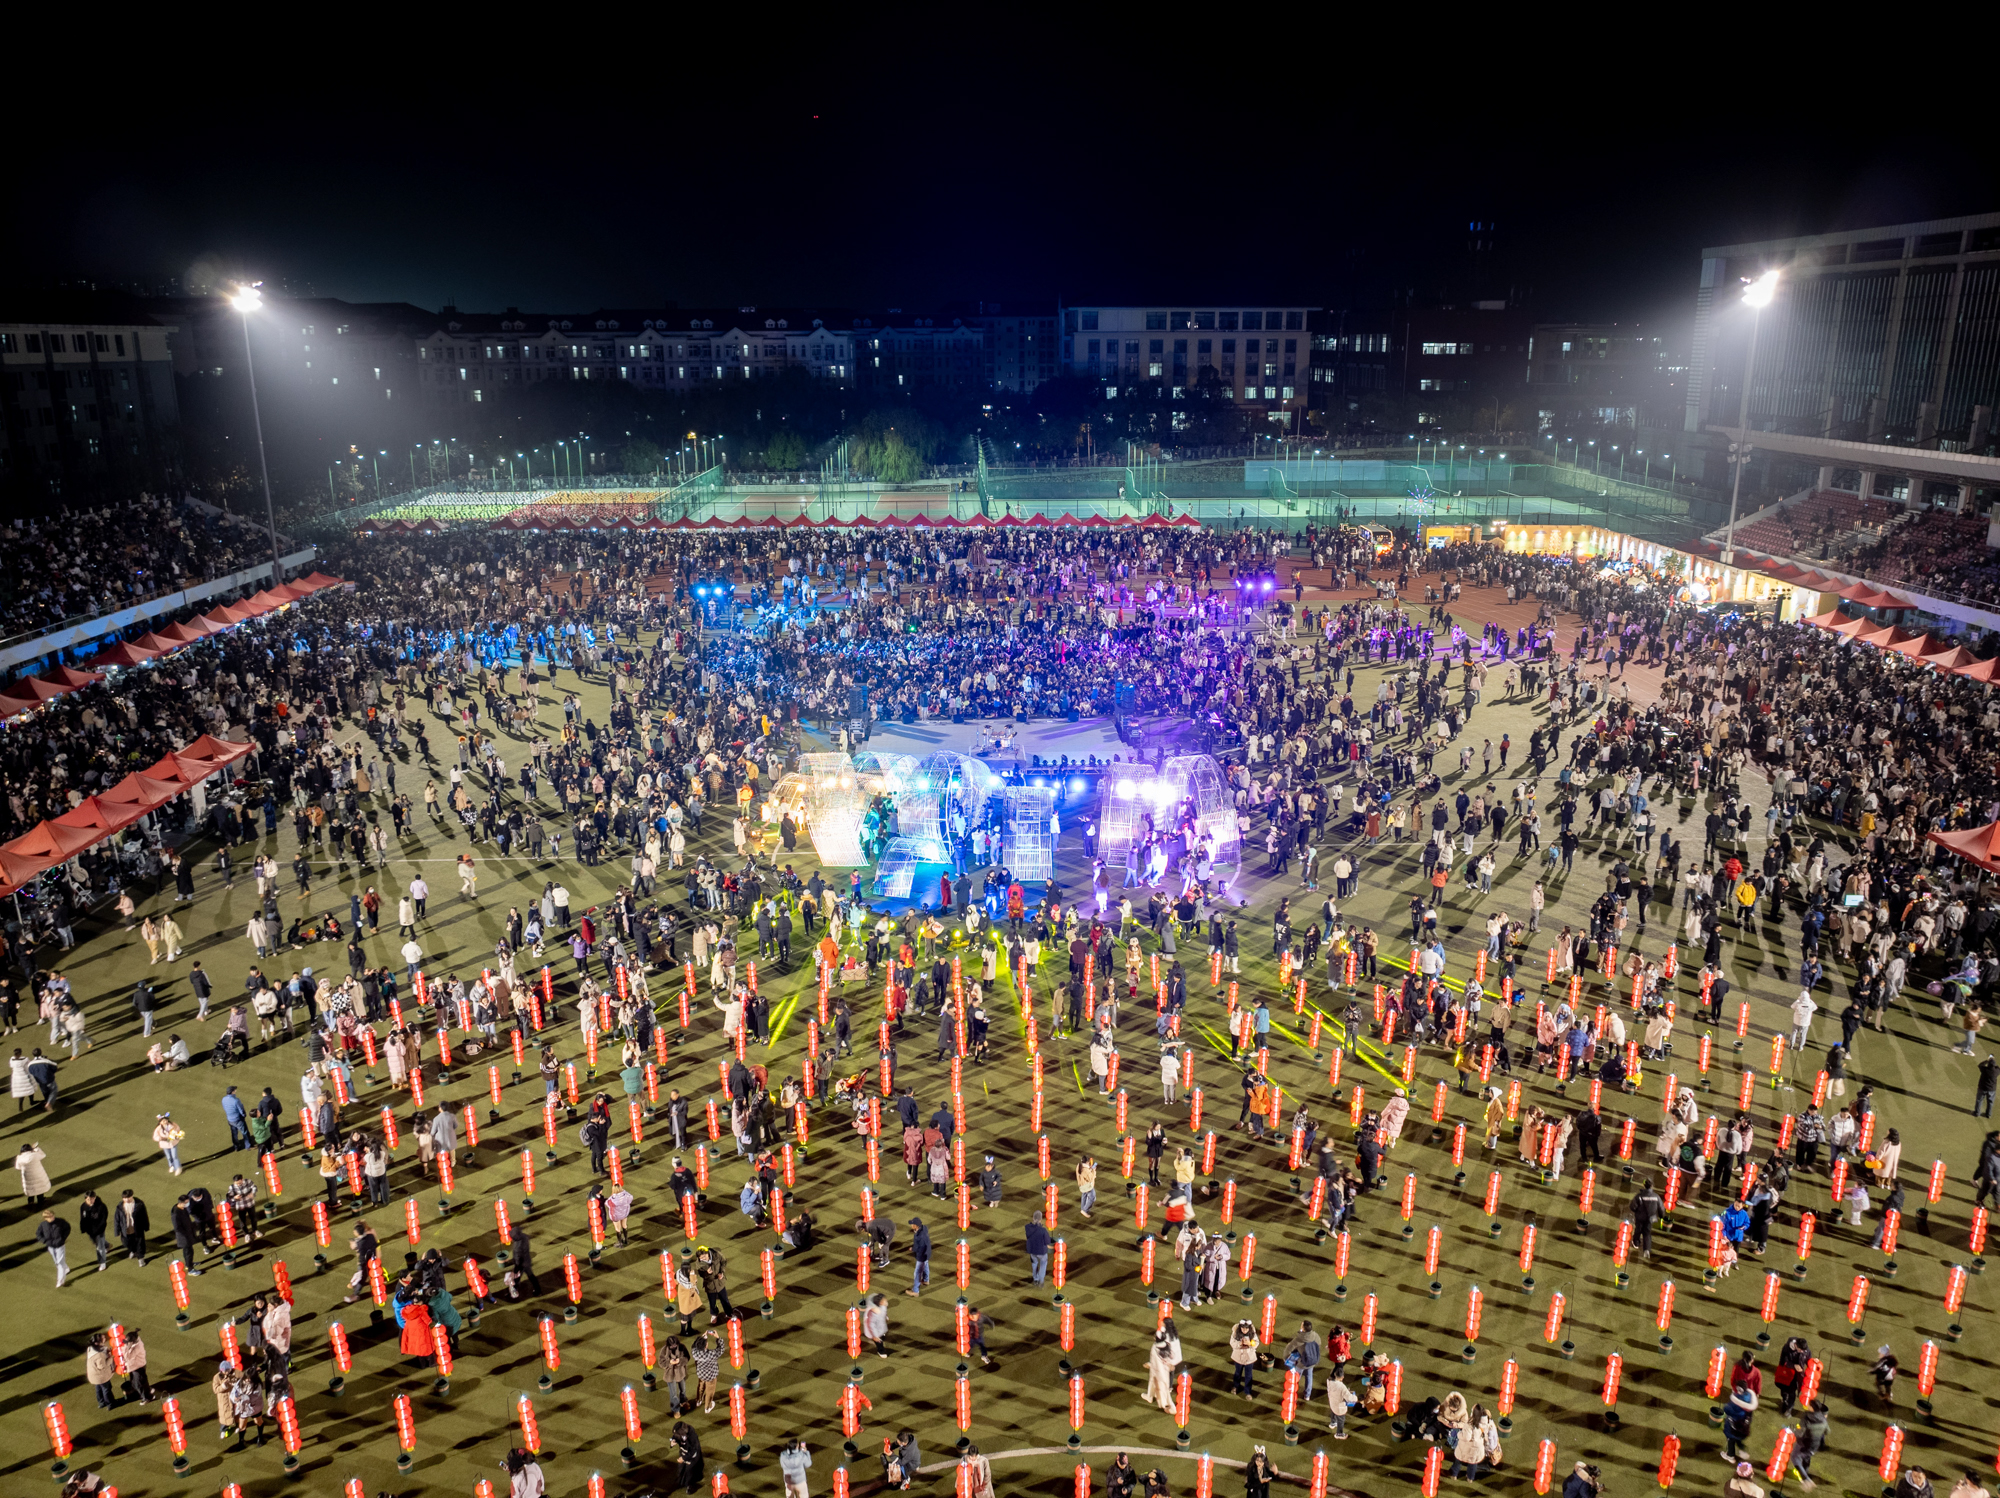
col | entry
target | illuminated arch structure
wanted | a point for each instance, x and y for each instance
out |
(1126, 800)
(944, 785)
(835, 809)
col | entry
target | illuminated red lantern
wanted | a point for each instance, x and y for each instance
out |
(1614, 1368)
(1670, 1459)
(1892, 1454)
(406, 1423)
(1552, 1324)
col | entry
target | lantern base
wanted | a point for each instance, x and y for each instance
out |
(1977, 1266)
(1799, 1270)
(1527, 1284)
(1764, 1339)
(752, 1379)
(1889, 1267)
(1666, 1343)
(1568, 1350)
(1924, 1408)
(1716, 1413)
(766, 1309)
(441, 1388)
(405, 1462)
(550, 1155)
(627, 1456)
(1628, 1172)
(1612, 1420)
(1075, 1442)
(493, 1115)
(290, 1463)
(1953, 1332)
(1319, 1236)
(1230, 1236)
(1409, 1232)
(851, 1451)
(854, 1374)
(1459, 1179)
(545, 1383)
(229, 1258)
(336, 1386)
(649, 1381)
(1152, 1297)
(1583, 1225)
(1708, 1278)
(319, 1263)
(1248, 1295)
(472, 1316)
(569, 1313)
(1065, 1368)
(742, 1453)
(962, 1445)
(1506, 1425)
(1291, 1435)
(1858, 1335)
(181, 1320)
(1495, 1228)
(1468, 1353)
(1621, 1279)
(1340, 1291)
(180, 1465)
(1182, 1440)
(1436, 1289)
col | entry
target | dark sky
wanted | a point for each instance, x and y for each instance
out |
(998, 179)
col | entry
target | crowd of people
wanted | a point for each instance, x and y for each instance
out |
(83, 564)
(444, 663)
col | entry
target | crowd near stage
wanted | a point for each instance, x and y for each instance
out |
(1137, 1009)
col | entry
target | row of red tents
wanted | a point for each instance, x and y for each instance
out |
(25, 696)
(1940, 652)
(1865, 595)
(98, 817)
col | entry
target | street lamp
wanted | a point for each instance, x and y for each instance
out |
(1757, 296)
(246, 300)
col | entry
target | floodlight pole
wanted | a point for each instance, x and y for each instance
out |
(263, 465)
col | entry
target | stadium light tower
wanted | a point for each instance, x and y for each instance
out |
(1756, 296)
(246, 300)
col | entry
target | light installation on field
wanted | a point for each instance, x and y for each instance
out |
(834, 809)
(1186, 792)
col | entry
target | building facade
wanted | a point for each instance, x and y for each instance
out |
(1608, 374)
(1425, 366)
(898, 353)
(87, 398)
(468, 357)
(1261, 356)
(1022, 348)
(1887, 335)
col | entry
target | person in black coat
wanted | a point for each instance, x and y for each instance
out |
(131, 1224)
(687, 1451)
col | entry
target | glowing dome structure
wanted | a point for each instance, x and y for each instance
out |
(1186, 793)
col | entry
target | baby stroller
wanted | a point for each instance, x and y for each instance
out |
(224, 1051)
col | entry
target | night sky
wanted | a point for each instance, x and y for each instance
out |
(912, 186)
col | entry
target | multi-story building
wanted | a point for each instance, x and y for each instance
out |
(467, 356)
(1887, 335)
(899, 353)
(1612, 374)
(1260, 356)
(363, 352)
(87, 399)
(1431, 366)
(1021, 345)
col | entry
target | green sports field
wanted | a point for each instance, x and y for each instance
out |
(99, 1137)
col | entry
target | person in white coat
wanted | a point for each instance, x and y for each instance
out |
(1161, 1362)
(30, 1162)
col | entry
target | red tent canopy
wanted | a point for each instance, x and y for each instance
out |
(121, 654)
(1913, 645)
(1825, 621)
(211, 752)
(1982, 670)
(13, 707)
(180, 634)
(141, 791)
(159, 644)
(1186, 520)
(1010, 520)
(318, 580)
(225, 617)
(1039, 519)
(46, 846)
(1979, 844)
(71, 678)
(1950, 659)
(38, 689)
(99, 815)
